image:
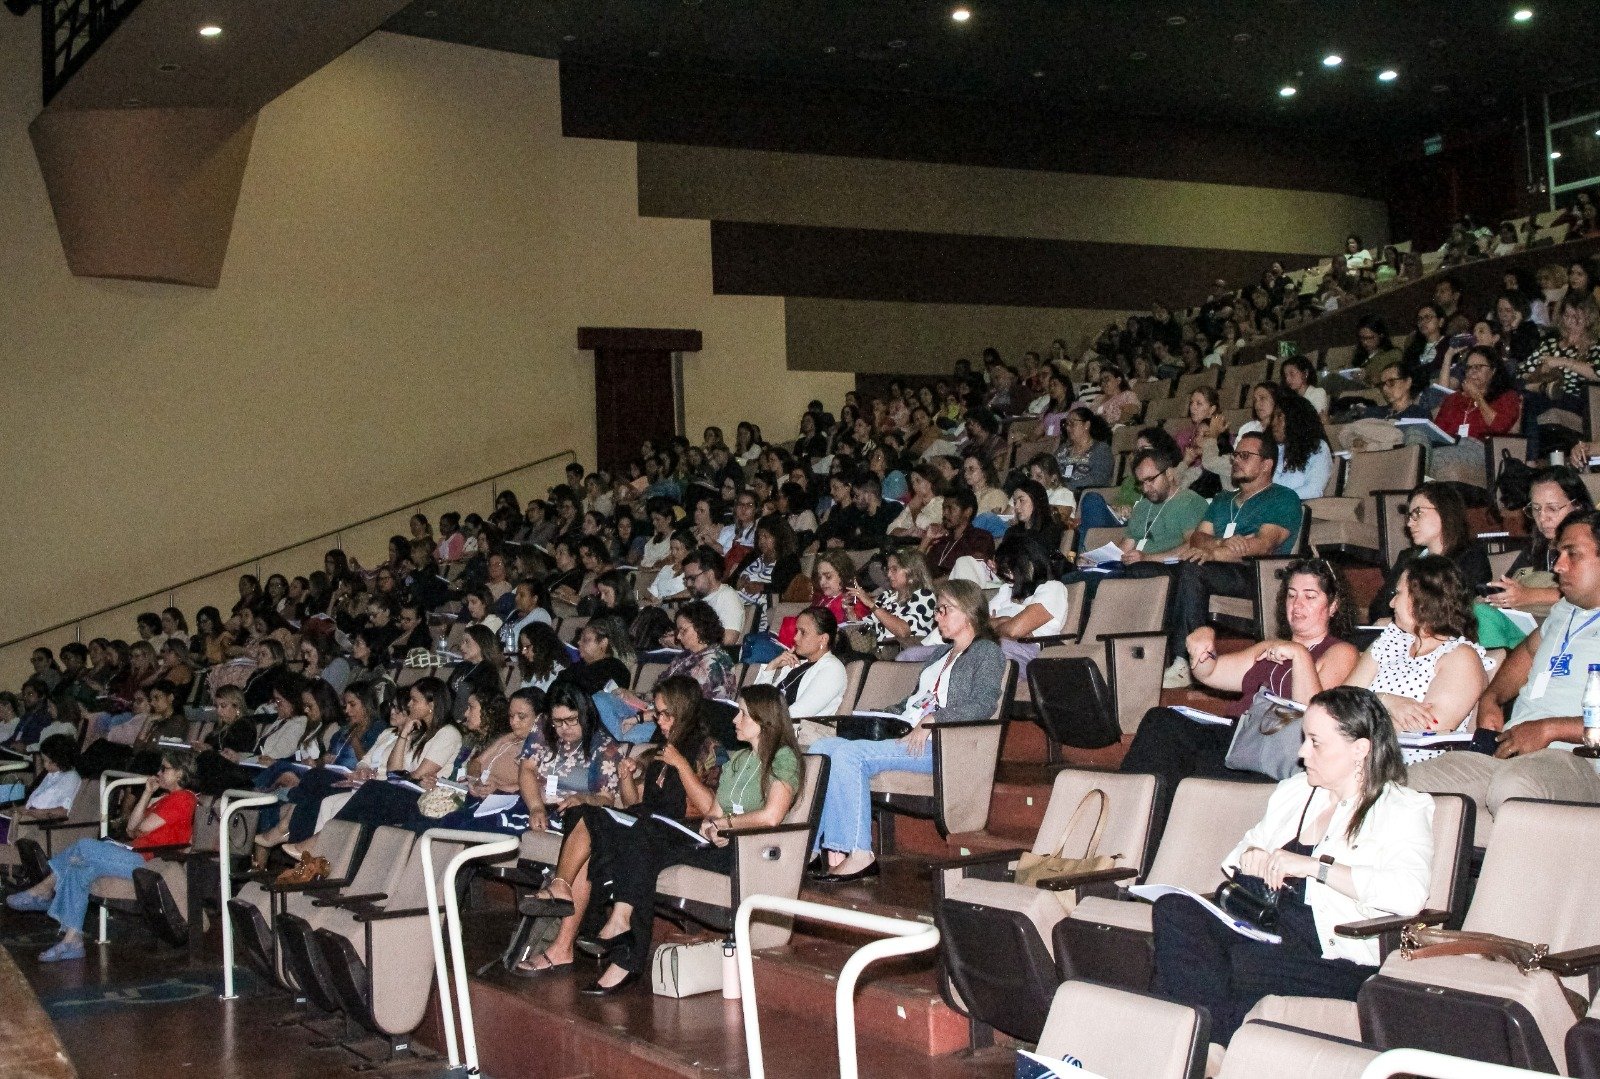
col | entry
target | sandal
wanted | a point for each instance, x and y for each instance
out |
(309, 868)
(528, 968)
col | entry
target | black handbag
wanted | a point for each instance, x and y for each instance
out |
(872, 728)
(1249, 899)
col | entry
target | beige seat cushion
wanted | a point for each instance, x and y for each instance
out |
(1121, 1035)
(1130, 914)
(696, 885)
(1258, 1050)
(113, 888)
(910, 783)
(1040, 907)
(1322, 1015)
(541, 846)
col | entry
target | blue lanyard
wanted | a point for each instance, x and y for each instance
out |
(1567, 636)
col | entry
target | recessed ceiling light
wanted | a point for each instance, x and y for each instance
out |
(654, 53)
(1522, 14)
(1176, 20)
(1040, 75)
(1388, 74)
(1333, 59)
(211, 31)
(1241, 38)
(830, 49)
(569, 37)
(167, 67)
(1440, 88)
(961, 14)
(1140, 55)
(1287, 91)
(1555, 155)
(898, 43)
(902, 65)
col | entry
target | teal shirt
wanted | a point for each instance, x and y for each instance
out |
(1168, 524)
(1277, 505)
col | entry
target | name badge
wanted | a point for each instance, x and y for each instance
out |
(550, 788)
(1140, 545)
(1540, 684)
(1461, 432)
(736, 807)
(1227, 533)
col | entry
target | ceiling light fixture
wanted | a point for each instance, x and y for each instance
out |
(1333, 59)
(1555, 155)
(1522, 14)
(1388, 74)
(1287, 91)
(961, 14)
(1176, 20)
(211, 31)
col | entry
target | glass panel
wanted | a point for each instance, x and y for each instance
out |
(1575, 102)
(1579, 147)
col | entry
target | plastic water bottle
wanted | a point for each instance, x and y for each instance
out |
(730, 970)
(1591, 708)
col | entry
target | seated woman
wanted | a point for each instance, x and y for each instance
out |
(565, 580)
(978, 472)
(1305, 461)
(594, 554)
(677, 781)
(1436, 521)
(478, 606)
(961, 686)
(1486, 404)
(1554, 376)
(658, 544)
(1300, 378)
(903, 612)
(1085, 454)
(832, 578)
(492, 773)
(1531, 582)
(668, 585)
(755, 790)
(1402, 387)
(1031, 516)
(1427, 667)
(573, 760)
(163, 816)
(605, 657)
(541, 656)
(1310, 654)
(703, 659)
(1058, 403)
(1344, 841)
(1118, 404)
(1029, 602)
(1045, 470)
(772, 566)
(50, 799)
(421, 744)
(324, 714)
(924, 507)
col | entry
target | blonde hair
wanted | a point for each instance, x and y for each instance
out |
(916, 566)
(968, 598)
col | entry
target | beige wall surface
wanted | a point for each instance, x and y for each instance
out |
(414, 249)
(918, 338)
(847, 192)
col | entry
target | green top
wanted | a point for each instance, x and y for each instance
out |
(739, 789)
(1168, 524)
(1276, 505)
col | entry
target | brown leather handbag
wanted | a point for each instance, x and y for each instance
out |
(1422, 941)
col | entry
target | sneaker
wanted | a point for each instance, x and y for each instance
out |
(27, 901)
(1177, 675)
(62, 951)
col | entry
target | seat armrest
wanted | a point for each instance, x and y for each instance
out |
(60, 823)
(776, 829)
(1078, 880)
(1136, 635)
(993, 857)
(1053, 638)
(1572, 962)
(1377, 927)
(365, 899)
(165, 850)
(934, 725)
(374, 915)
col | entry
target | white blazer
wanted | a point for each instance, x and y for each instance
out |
(821, 687)
(1390, 861)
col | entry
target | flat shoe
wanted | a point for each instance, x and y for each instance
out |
(598, 990)
(27, 901)
(61, 952)
(871, 870)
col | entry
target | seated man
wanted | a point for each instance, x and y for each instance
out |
(1166, 511)
(866, 528)
(954, 538)
(1259, 517)
(810, 677)
(702, 576)
(1544, 676)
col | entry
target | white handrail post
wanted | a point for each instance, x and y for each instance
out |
(1428, 1065)
(901, 937)
(232, 802)
(110, 781)
(478, 847)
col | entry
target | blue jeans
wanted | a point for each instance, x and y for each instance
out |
(613, 710)
(1093, 512)
(265, 782)
(847, 808)
(78, 867)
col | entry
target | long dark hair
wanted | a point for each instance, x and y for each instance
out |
(1023, 561)
(437, 694)
(1360, 714)
(1341, 623)
(567, 695)
(1302, 430)
(683, 697)
(1452, 512)
(771, 713)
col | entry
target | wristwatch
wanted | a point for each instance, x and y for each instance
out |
(1325, 864)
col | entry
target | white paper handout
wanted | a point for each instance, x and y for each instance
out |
(495, 803)
(1152, 892)
(1106, 552)
(1195, 715)
(1034, 1066)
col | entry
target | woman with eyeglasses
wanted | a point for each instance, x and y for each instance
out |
(1436, 522)
(1311, 653)
(1486, 404)
(1402, 388)
(1553, 496)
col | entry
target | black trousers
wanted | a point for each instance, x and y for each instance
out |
(626, 861)
(1189, 596)
(1174, 748)
(1203, 963)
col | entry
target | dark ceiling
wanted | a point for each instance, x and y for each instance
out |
(1459, 62)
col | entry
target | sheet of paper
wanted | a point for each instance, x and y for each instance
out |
(1208, 718)
(495, 803)
(1432, 739)
(1106, 552)
(1034, 1066)
(1152, 892)
(700, 840)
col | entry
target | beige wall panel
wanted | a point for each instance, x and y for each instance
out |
(896, 338)
(414, 248)
(847, 192)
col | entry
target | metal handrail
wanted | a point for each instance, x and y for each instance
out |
(1427, 1065)
(110, 781)
(901, 937)
(231, 802)
(481, 845)
(330, 533)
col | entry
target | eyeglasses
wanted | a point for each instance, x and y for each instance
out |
(1145, 481)
(1534, 510)
(1479, 367)
(946, 608)
(1416, 514)
(570, 721)
(1240, 455)
(1391, 381)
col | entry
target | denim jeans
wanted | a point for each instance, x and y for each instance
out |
(847, 808)
(78, 867)
(613, 710)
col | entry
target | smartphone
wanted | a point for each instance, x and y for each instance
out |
(1489, 589)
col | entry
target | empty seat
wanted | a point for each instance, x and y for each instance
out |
(1350, 521)
(996, 934)
(1259, 1050)
(1123, 634)
(1119, 1034)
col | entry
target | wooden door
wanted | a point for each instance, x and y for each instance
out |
(635, 388)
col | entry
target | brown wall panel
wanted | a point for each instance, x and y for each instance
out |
(650, 106)
(864, 264)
